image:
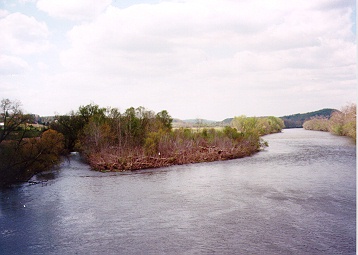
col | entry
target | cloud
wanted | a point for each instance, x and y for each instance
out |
(10, 65)
(21, 34)
(73, 10)
(3, 13)
(334, 4)
(191, 50)
(179, 36)
(200, 58)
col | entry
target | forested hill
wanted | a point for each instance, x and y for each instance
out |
(296, 120)
(291, 121)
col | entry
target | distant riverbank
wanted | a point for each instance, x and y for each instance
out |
(343, 123)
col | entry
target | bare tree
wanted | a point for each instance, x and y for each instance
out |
(12, 118)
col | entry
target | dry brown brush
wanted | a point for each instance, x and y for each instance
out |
(174, 148)
(342, 122)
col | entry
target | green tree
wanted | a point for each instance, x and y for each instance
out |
(70, 126)
(73, 124)
(164, 119)
(88, 111)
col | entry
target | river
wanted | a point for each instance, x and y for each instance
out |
(298, 196)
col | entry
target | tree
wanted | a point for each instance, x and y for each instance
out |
(70, 126)
(88, 111)
(344, 122)
(22, 156)
(73, 124)
(13, 119)
(317, 123)
(165, 119)
(19, 161)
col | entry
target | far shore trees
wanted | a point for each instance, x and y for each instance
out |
(340, 122)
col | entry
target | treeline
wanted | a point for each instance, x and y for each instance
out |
(258, 126)
(297, 120)
(339, 123)
(25, 150)
(139, 138)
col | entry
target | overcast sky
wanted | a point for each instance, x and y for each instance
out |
(209, 59)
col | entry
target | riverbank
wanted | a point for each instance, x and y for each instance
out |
(342, 123)
(109, 161)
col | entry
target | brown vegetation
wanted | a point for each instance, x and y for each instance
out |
(340, 123)
(179, 147)
(109, 149)
(139, 138)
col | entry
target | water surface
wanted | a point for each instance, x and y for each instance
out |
(296, 197)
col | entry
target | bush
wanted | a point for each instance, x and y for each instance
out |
(340, 123)
(317, 123)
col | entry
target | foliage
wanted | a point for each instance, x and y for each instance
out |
(252, 128)
(20, 160)
(137, 133)
(24, 149)
(317, 123)
(340, 122)
(70, 126)
(344, 122)
(164, 119)
(93, 129)
(14, 120)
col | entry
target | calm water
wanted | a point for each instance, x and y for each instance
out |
(296, 197)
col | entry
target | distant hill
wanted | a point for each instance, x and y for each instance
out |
(177, 123)
(291, 121)
(297, 120)
(195, 123)
(227, 122)
(200, 121)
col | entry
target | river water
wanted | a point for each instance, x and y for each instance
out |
(296, 197)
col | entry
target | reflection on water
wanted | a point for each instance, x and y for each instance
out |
(296, 197)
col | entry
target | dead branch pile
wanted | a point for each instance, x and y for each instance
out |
(111, 161)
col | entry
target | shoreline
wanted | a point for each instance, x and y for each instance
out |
(110, 162)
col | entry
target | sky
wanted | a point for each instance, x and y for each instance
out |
(208, 59)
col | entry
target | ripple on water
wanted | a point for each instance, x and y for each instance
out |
(297, 197)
